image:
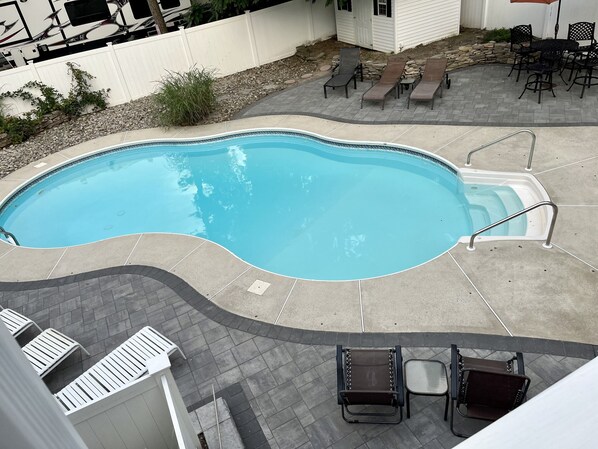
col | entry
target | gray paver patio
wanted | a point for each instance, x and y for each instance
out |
(481, 95)
(281, 390)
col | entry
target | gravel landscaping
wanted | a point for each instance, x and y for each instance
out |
(233, 92)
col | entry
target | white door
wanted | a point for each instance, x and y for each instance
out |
(362, 15)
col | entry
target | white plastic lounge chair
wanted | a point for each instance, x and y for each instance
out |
(123, 365)
(15, 322)
(48, 349)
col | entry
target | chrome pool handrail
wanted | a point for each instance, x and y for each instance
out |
(531, 151)
(9, 235)
(546, 244)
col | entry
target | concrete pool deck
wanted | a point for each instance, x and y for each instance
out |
(503, 288)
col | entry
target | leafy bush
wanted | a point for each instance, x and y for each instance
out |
(18, 129)
(81, 96)
(498, 35)
(46, 99)
(185, 98)
(198, 14)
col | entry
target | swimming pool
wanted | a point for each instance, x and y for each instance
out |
(289, 203)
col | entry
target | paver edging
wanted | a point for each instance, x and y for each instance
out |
(259, 328)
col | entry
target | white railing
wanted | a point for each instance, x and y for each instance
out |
(147, 413)
(131, 70)
(493, 14)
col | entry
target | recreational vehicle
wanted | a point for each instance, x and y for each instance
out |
(33, 30)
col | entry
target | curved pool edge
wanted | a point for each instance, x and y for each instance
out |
(375, 306)
(259, 328)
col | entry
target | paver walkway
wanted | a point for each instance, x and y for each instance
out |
(280, 388)
(481, 95)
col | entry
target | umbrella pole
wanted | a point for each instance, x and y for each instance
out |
(558, 15)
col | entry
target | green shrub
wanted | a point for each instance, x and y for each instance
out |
(18, 129)
(46, 99)
(81, 96)
(198, 14)
(498, 35)
(185, 98)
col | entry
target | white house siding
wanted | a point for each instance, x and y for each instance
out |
(424, 21)
(504, 14)
(471, 13)
(345, 26)
(383, 33)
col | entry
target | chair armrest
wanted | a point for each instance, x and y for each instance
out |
(520, 364)
(399, 381)
(454, 371)
(340, 378)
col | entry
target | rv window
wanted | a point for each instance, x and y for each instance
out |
(167, 4)
(81, 12)
(140, 9)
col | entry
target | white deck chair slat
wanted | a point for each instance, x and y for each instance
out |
(132, 359)
(121, 366)
(74, 396)
(106, 377)
(138, 347)
(91, 387)
(48, 349)
(15, 322)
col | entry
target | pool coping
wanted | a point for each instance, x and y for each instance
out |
(222, 281)
(311, 337)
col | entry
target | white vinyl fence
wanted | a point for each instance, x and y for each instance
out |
(131, 70)
(491, 14)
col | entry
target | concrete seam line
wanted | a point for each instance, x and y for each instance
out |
(187, 255)
(133, 249)
(454, 140)
(575, 257)
(219, 291)
(57, 262)
(361, 306)
(8, 252)
(285, 302)
(566, 165)
(481, 296)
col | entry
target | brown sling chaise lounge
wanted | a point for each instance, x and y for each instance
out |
(388, 82)
(431, 82)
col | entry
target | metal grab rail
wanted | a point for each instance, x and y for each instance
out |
(546, 244)
(9, 235)
(531, 151)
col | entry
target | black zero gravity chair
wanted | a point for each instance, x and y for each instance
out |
(485, 389)
(370, 377)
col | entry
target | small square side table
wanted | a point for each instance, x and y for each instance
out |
(426, 378)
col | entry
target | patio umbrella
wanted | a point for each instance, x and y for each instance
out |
(548, 2)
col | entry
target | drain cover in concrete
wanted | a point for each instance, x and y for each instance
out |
(258, 287)
(40, 165)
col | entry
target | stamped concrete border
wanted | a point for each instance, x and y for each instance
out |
(259, 328)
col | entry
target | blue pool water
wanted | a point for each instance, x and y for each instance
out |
(286, 203)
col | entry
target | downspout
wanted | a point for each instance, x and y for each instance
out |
(484, 15)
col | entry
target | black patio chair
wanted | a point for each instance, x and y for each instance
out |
(521, 41)
(583, 33)
(540, 78)
(348, 67)
(485, 389)
(584, 70)
(370, 377)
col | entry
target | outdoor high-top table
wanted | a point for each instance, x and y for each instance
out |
(561, 44)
